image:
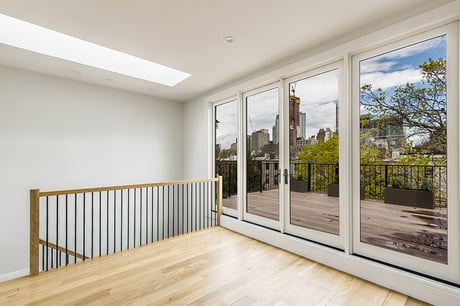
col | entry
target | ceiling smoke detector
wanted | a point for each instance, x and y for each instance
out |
(229, 39)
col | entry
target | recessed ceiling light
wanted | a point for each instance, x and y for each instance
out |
(229, 39)
(28, 36)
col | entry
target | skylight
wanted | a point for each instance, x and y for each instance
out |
(24, 35)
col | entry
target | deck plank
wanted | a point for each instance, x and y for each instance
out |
(417, 231)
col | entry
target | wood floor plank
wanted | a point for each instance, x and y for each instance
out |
(210, 267)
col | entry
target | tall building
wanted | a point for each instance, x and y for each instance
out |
(275, 130)
(260, 138)
(303, 126)
(294, 119)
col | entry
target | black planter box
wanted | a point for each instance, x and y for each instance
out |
(407, 197)
(299, 186)
(333, 191)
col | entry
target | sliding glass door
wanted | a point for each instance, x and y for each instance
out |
(408, 150)
(226, 152)
(261, 156)
(313, 206)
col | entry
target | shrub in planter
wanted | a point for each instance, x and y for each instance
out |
(399, 194)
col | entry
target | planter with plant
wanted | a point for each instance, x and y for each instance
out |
(299, 183)
(333, 188)
(400, 194)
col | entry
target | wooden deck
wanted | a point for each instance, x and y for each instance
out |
(416, 231)
(209, 267)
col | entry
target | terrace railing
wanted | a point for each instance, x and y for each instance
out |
(265, 175)
(69, 226)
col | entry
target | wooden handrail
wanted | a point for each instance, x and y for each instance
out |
(100, 189)
(62, 249)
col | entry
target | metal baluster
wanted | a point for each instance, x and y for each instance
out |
(84, 225)
(173, 210)
(178, 211)
(121, 219)
(167, 224)
(140, 219)
(57, 227)
(47, 245)
(66, 230)
(107, 220)
(92, 224)
(127, 238)
(146, 215)
(134, 214)
(183, 210)
(163, 211)
(158, 213)
(151, 219)
(75, 226)
(114, 221)
(100, 223)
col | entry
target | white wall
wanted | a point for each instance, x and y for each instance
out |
(61, 134)
(196, 139)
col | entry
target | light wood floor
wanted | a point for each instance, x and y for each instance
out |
(210, 267)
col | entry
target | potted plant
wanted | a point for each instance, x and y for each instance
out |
(333, 188)
(299, 183)
(400, 193)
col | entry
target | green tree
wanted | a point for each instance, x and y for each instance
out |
(323, 152)
(419, 107)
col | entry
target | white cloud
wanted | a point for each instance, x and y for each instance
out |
(375, 64)
(228, 124)
(317, 89)
(322, 116)
(391, 79)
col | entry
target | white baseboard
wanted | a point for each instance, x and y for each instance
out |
(422, 288)
(12, 275)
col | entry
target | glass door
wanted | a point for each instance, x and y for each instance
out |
(226, 152)
(261, 160)
(408, 140)
(313, 123)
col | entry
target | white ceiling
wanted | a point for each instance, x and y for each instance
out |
(188, 35)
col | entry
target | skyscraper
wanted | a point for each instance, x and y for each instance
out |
(275, 130)
(303, 126)
(260, 138)
(294, 119)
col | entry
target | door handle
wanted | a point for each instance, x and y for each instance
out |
(286, 175)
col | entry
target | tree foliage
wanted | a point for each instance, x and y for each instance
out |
(323, 152)
(419, 107)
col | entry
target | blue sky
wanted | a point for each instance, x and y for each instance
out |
(400, 66)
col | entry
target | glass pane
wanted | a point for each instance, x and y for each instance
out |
(403, 130)
(262, 155)
(226, 151)
(314, 152)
